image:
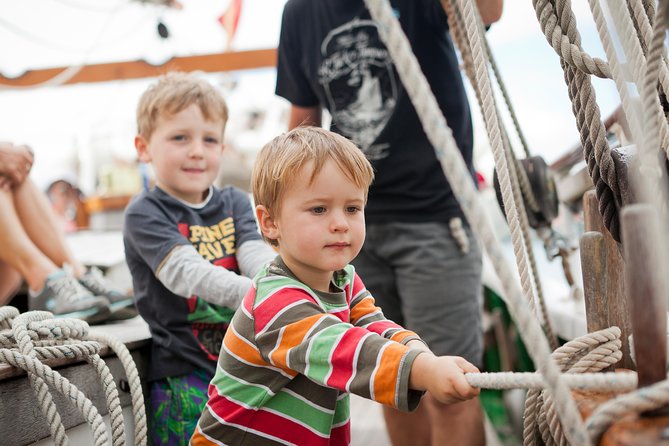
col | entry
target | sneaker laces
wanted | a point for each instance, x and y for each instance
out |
(68, 288)
(95, 282)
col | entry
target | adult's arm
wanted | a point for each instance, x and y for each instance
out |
(305, 116)
(490, 10)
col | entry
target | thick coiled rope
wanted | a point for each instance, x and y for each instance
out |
(588, 117)
(29, 338)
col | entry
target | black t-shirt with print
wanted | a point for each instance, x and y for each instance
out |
(330, 54)
(186, 332)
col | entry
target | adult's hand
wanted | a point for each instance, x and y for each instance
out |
(15, 162)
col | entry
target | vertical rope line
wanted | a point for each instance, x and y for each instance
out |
(457, 174)
(531, 285)
(588, 121)
(636, 60)
(46, 404)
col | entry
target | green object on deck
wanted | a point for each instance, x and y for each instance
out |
(492, 400)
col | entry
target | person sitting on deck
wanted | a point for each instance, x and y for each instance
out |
(308, 332)
(191, 247)
(33, 248)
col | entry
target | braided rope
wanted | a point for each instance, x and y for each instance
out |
(654, 121)
(635, 53)
(46, 404)
(629, 107)
(645, 399)
(589, 123)
(134, 382)
(63, 385)
(112, 399)
(523, 252)
(35, 336)
(564, 44)
(643, 14)
(589, 353)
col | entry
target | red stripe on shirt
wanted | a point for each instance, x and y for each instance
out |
(275, 303)
(379, 327)
(343, 358)
(341, 435)
(265, 422)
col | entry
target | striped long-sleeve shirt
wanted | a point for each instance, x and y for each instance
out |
(292, 355)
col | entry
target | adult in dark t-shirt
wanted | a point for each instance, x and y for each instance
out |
(423, 277)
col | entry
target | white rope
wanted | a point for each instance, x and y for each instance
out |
(651, 179)
(455, 169)
(564, 46)
(134, 382)
(35, 336)
(609, 381)
(523, 250)
(629, 105)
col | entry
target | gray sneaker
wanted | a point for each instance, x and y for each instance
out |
(122, 306)
(65, 297)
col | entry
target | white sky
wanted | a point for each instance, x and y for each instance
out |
(96, 121)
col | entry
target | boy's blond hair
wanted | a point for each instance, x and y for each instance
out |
(173, 93)
(281, 159)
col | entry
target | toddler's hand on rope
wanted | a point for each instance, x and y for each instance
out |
(443, 377)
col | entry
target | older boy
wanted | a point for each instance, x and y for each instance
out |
(308, 332)
(188, 245)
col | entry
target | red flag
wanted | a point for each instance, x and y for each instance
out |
(230, 19)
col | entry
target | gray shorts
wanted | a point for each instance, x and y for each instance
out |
(421, 280)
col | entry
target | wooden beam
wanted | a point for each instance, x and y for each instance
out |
(138, 69)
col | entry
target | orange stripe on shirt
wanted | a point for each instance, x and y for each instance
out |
(293, 335)
(242, 349)
(385, 378)
(402, 335)
(200, 440)
(362, 308)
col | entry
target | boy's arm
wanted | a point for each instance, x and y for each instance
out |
(253, 255)
(252, 251)
(185, 273)
(295, 334)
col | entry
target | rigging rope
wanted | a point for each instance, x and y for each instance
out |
(532, 288)
(551, 415)
(456, 171)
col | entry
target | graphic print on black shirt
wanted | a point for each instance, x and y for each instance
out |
(209, 321)
(357, 66)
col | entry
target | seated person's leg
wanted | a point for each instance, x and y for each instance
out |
(17, 249)
(10, 281)
(176, 404)
(50, 287)
(41, 225)
(43, 228)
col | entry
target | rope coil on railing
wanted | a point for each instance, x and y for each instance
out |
(29, 338)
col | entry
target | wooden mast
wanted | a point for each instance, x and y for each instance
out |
(137, 69)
